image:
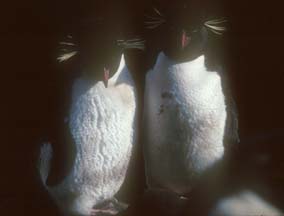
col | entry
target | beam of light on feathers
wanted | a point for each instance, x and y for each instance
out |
(154, 21)
(66, 56)
(215, 25)
(67, 49)
(136, 43)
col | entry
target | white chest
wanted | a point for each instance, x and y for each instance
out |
(102, 122)
(184, 120)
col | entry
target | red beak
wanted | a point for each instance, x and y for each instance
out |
(106, 77)
(184, 40)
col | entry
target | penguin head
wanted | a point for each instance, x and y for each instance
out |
(98, 45)
(181, 30)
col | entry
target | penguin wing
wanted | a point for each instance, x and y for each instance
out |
(57, 131)
(231, 134)
(232, 125)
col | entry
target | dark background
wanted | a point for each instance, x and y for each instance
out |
(29, 34)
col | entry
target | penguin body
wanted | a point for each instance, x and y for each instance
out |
(184, 121)
(102, 124)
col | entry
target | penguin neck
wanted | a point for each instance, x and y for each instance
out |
(194, 67)
(113, 80)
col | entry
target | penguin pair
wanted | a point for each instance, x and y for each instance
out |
(184, 114)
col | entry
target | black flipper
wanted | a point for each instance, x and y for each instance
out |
(231, 135)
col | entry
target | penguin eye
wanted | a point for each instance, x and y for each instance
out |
(172, 28)
(115, 43)
(194, 31)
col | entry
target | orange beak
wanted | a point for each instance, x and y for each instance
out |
(184, 40)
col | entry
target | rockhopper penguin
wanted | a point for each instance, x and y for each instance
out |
(185, 110)
(101, 121)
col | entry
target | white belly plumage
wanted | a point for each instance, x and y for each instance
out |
(184, 120)
(102, 124)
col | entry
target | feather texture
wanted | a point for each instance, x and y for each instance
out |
(184, 119)
(102, 123)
